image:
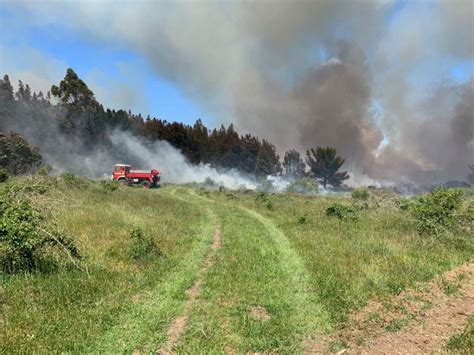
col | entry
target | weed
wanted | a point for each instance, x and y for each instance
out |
(24, 236)
(361, 193)
(395, 325)
(109, 185)
(341, 211)
(450, 288)
(436, 212)
(142, 246)
(464, 342)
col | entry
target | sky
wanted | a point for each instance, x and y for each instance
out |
(389, 83)
(121, 77)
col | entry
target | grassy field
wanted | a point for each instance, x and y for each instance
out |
(285, 271)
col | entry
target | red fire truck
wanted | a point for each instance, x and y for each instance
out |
(145, 178)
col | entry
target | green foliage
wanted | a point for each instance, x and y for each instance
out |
(308, 186)
(3, 175)
(70, 179)
(325, 165)
(437, 211)
(261, 196)
(109, 185)
(361, 193)
(16, 155)
(342, 212)
(142, 246)
(293, 165)
(403, 203)
(25, 238)
(463, 343)
(44, 170)
(268, 162)
(72, 91)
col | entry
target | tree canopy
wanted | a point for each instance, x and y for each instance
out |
(325, 164)
(293, 165)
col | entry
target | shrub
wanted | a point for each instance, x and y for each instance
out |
(25, 240)
(3, 175)
(45, 170)
(437, 211)
(210, 183)
(142, 246)
(109, 185)
(269, 205)
(303, 186)
(70, 179)
(360, 193)
(261, 197)
(341, 211)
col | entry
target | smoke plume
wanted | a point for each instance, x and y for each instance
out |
(370, 78)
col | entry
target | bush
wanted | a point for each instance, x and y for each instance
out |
(307, 186)
(437, 211)
(142, 246)
(261, 197)
(3, 175)
(360, 193)
(341, 211)
(109, 185)
(210, 183)
(70, 179)
(45, 170)
(25, 240)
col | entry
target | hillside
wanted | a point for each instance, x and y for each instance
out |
(232, 271)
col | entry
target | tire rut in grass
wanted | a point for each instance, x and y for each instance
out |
(258, 296)
(178, 326)
(144, 321)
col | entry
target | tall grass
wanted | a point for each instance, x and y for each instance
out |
(281, 254)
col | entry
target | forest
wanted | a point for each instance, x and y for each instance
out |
(68, 123)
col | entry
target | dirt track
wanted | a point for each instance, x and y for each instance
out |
(178, 326)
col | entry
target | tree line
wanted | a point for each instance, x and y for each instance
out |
(81, 120)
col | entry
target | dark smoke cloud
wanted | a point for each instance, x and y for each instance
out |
(280, 70)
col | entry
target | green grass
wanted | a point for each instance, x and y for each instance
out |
(462, 343)
(279, 252)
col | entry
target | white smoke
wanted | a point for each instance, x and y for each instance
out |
(174, 166)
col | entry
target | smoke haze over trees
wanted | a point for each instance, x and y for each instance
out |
(371, 79)
(77, 134)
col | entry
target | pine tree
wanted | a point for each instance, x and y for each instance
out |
(268, 162)
(293, 165)
(324, 164)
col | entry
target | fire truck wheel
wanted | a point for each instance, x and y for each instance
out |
(145, 184)
(122, 182)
